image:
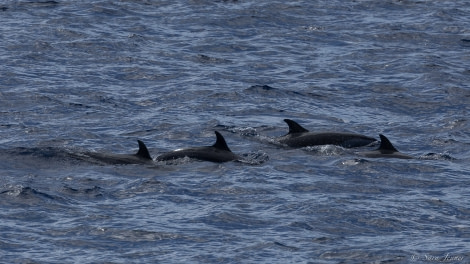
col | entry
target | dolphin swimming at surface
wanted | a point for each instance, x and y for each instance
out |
(299, 137)
(385, 150)
(141, 157)
(219, 152)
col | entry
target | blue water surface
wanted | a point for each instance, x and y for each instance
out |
(80, 76)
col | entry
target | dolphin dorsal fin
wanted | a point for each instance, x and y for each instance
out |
(220, 142)
(143, 151)
(385, 144)
(294, 127)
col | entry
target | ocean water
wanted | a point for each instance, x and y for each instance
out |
(79, 76)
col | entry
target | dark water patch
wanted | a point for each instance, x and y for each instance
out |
(45, 3)
(283, 246)
(446, 209)
(233, 221)
(41, 152)
(330, 187)
(302, 225)
(148, 187)
(141, 235)
(44, 157)
(142, 133)
(28, 196)
(267, 90)
(211, 190)
(370, 256)
(33, 5)
(204, 59)
(465, 42)
(212, 258)
(271, 247)
(28, 193)
(360, 223)
(92, 192)
(224, 192)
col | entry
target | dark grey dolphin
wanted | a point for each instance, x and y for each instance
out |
(219, 152)
(141, 157)
(299, 137)
(385, 150)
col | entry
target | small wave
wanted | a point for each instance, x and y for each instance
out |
(30, 195)
(326, 150)
(93, 192)
(26, 192)
(231, 220)
(353, 162)
(12, 190)
(243, 131)
(204, 59)
(141, 235)
(276, 92)
(254, 158)
(436, 156)
(45, 153)
(179, 161)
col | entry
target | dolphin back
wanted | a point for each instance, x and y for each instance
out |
(385, 150)
(386, 145)
(220, 142)
(218, 152)
(294, 127)
(143, 152)
(299, 137)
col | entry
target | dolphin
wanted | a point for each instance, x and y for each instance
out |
(299, 137)
(141, 157)
(219, 152)
(385, 150)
